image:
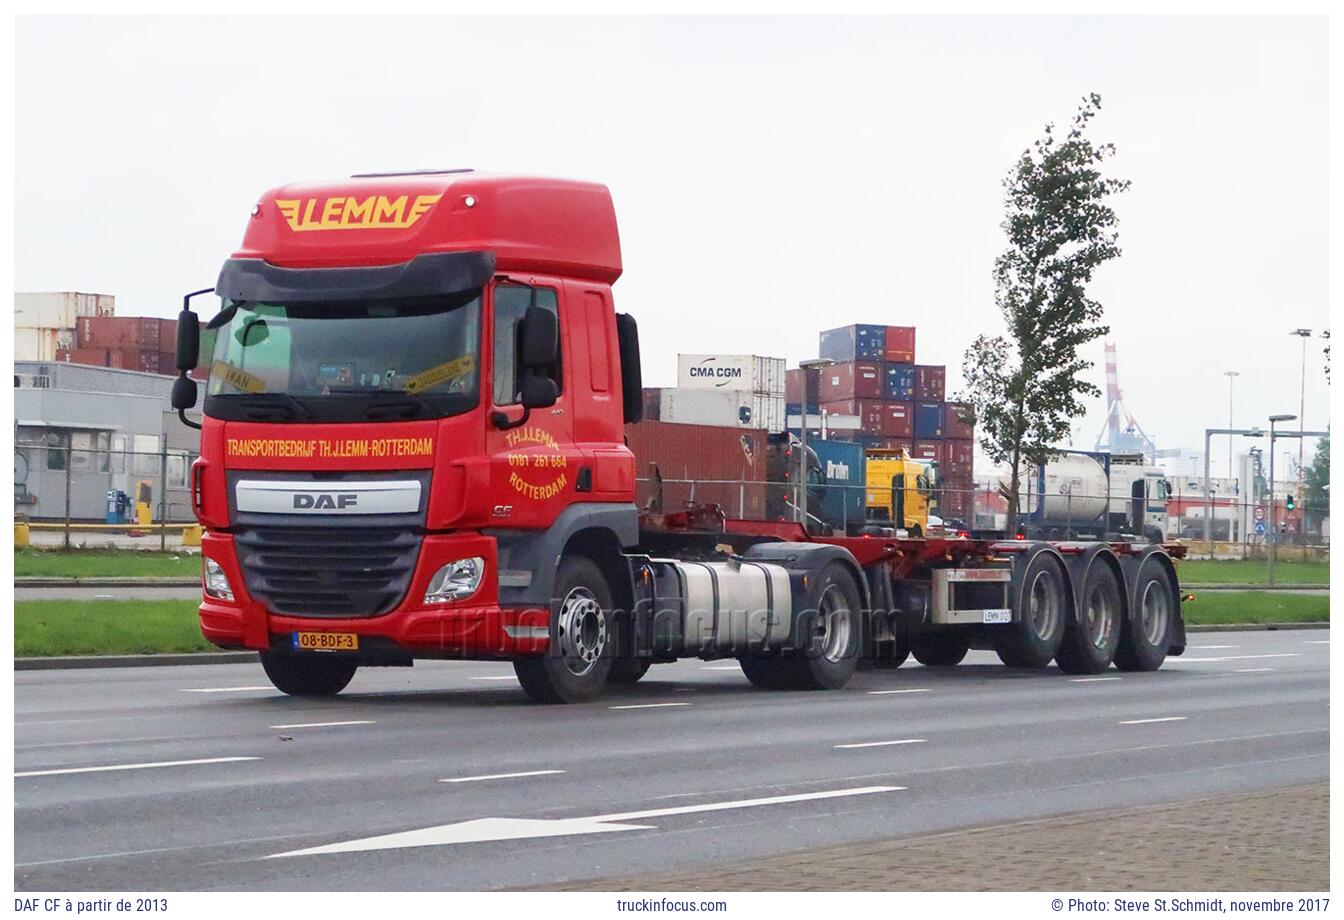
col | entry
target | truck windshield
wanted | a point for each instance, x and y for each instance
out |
(346, 360)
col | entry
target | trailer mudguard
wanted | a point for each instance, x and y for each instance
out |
(528, 559)
(1132, 565)
(802, 559)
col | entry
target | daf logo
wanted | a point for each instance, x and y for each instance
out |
(304, 501)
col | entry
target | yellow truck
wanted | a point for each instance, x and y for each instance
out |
(899, 490)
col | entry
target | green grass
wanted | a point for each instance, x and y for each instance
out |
(104, 563)
(1255, 607)
(1251, 572)
(106, 628)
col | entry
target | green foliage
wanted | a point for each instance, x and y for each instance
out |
(1317, 500)
(1025, 386)
(44, 628)
(1230, 607)
(1251, 572)
(106, 563)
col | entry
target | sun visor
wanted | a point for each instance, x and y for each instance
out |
(256, 280)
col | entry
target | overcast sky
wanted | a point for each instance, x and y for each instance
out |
(772, 177)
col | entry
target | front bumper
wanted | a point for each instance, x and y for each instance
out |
(476, 627)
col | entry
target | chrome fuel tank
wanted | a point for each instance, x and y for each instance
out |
(730, 608)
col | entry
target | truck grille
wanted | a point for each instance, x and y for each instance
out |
(328, 571)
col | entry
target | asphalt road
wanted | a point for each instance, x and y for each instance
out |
(690, 768)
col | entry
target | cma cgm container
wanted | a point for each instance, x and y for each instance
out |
(727, 466)
(747, 373)
(728, 408)
(899, 382)
(929, 382)
(900, 344)
(898, 419)
(852, 380)
(869, 412)
(957, 421)
(854, 343)
(929, 420)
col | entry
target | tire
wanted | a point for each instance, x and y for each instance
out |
(1042, 603)
(1093, 636)
(939, 651)
(891, 655)
(312, 674)
(628, 670)
(578, 660)
(1145, 636)
(1153, 534)
(829, 636)
(915, 532)
(769, 673)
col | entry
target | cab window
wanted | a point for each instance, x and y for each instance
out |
(511, 302)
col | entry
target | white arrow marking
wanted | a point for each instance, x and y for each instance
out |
(485, 829)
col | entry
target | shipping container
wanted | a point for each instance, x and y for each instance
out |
(730, 408)
(929, 420)
(59, 309)
(701, 464)
(898, 419)
(868, 411)
(900, 344)
(930, 380)
(95, 357)
(958, 420)
(852, 380)
(793, 385)
(126, 331)
(853, 343)
(928, 451)
(958, 457)
(956, 505)
(899, 382)
(31, 344)
(653, 398)
(748, 373)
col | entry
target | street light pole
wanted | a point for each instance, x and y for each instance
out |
(807, 367)
(1273, 525)
(1231, 379)
(1302, 407)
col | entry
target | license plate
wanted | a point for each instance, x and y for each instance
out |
(326, 641)
(998, 616)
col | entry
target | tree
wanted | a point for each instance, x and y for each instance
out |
(1025, 387)
(1316, 503)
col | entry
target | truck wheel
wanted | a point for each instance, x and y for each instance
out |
(578, 660)
(1146, 636)
(939, 651)
(769, 673)
(1091, 640)
(314, 674)
(889, 655)
(829, 652)
(1042, 609)
(628, 670)
(914, 532)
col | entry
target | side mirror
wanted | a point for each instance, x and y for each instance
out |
(539, 338)
(538, 392)
(184, 393)
(188, 340)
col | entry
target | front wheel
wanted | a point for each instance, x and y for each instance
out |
(311, 674)
(577, 663)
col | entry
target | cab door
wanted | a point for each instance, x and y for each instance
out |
(533, 465)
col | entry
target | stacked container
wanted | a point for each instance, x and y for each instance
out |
(44, 323)
(852, 380)
(732, 391)
(930, 380)
(136, 343)
(726, 466)
(854, 343)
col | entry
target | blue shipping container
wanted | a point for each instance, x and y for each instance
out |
(929, 420)
(853, 343)
(841, 499)
(899, 383)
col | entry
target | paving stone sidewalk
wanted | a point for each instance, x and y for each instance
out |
(1276, 840)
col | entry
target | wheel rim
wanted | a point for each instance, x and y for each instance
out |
(582, 629)
(1100, 616)
(1043, 606)
(1154, 612)
(833, 624)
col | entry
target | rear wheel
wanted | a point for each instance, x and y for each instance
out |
(939, 651)
(1042, 609)
(313, 674)
(1146, 635)
(577, 663)
(1091, 641)
(829, 635)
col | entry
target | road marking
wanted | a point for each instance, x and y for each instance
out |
(484, 829)
(886, 692)
(474, 779)
(1242, 657)
(1091, 680)
(868, 744)
(326, 724)
(1214, 646)
(1252, 670)
(102, 597)
(722, 667)
(498, 677)
(648, 705)
(133, 766)
(1147, 721)
(222, 689)
(1318, 642)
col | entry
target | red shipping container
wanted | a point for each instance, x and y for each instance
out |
(793, 385)
(735, 457)
(958, 455)
(890, 444)
(953, 426)
(869, 412)
(898, 419)
(929, 451)
(956, 504)
(929, 382)
(900, 346)
(96, 357)
(852, 380)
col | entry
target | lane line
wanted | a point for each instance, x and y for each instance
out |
(1091, 680)
(1214, 646)
(1183, 659)
(498, 677)
(871, 744)
(746, 803)
(1318, 642)
(476, 779)
(326, 724)
(1253, 670)
(887, 692)
(648, 705)
(133, 766)
(221, 689)
(722, 667)
(1147, 721)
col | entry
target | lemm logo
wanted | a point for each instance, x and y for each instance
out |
(306, 501)
(339, 212)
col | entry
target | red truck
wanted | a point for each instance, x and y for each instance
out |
(412, 447)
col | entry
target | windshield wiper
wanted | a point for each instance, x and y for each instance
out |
(255, 404)
(398, 408)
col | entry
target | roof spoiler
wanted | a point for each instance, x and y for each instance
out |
(427, 275)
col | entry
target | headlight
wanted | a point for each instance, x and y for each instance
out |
(216, 582)
(455, 581)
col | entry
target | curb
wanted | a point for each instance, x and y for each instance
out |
(1248, 587)
(130, 661)
(42, 581)
(1253, 627)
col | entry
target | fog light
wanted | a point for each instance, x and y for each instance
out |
(455, 581)
(216, 582)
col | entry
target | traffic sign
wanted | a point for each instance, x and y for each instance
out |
(1259, 512)
(1260, 528)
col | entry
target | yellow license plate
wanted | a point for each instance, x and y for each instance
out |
(326, 642)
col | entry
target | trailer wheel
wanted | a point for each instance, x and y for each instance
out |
(1042, 610)
(628, 670)
(1146, 636)
(939, 651)
(889, 655)
(578, 660)
(313, 674)
(1091, 641)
